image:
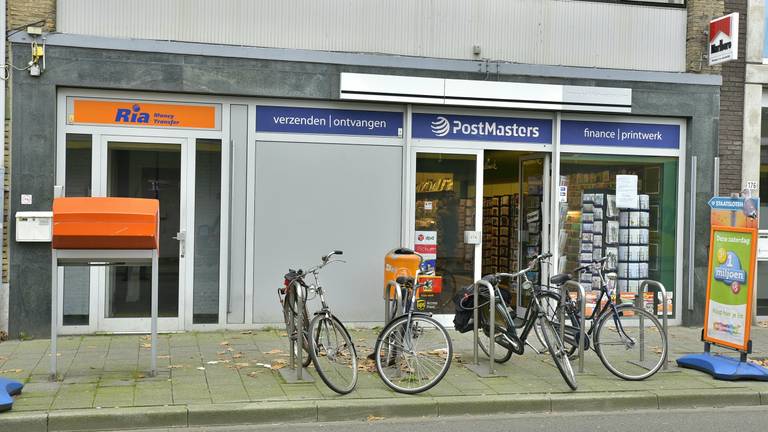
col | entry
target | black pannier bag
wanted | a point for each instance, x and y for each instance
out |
(464, 301)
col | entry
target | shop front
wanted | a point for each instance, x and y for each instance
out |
(267, 173)
(476, 191)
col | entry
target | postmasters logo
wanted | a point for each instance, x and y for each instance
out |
(441, 126)
(420, 237)
(144, 114)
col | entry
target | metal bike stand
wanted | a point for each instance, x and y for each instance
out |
(295, 373)
(475, 365)
(398, 296)
(101, 257)
(664, 326)
(583, 311)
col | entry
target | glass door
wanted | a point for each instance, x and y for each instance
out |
(139, 167)
(445, 224)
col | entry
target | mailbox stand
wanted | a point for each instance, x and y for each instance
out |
(101, 257)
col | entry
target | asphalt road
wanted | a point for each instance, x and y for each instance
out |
(699, 420)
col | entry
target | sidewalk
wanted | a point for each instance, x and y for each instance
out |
(222, 378)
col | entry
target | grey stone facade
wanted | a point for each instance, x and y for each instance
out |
(34, 134)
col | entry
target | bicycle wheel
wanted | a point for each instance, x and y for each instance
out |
(333, 353)
(301, 323)
(631, 343)
(550, 301)
(504, 348)
(413, 353)
(558, 350)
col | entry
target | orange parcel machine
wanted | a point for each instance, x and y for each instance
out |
(104, 231)
(403, 262)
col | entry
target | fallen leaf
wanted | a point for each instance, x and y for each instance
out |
(278, 364)
(238, 355)
(11, 371)
(264, 365)
(221, 352)
(374, 418)
(763, 324)
(247, 332)
(225, 343)
(176, 366)
(201, 368)
(241, 365)
(253, 374)
(146, 345)
(213, 362)
(367, 365)
(165, 356)
(274, 351)
(140, 376)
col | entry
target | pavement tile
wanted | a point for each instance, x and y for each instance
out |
(23, 421)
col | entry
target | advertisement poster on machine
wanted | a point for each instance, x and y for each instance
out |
(425, 245)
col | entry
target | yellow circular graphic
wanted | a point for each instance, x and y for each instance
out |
(722, 255)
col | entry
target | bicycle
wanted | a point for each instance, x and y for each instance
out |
(506, 331)
(639, 339)
(413, 352)
(325, 338)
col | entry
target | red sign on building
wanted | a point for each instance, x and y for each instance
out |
(724, 39)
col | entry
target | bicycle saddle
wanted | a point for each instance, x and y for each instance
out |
(404, 280)
(560, 279)
(491, 279)
(293, 274)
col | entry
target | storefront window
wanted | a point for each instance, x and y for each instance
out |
(77, 280)
(207, 231)
(761, 287)
(643, 239)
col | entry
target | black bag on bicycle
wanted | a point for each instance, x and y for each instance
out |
(465, 302)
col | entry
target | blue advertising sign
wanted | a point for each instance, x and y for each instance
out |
(726, 203)
(615, 134)
(482, 128)
(328, 121)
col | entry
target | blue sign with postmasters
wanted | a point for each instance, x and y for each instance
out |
(482, 128)
(616, 134)
(328, 121)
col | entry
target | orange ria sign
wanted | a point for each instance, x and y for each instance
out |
(133, 113)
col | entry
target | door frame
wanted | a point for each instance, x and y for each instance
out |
(99, 274)
(410, 227)
(546, 222)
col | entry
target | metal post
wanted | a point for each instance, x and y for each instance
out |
(291, 331)
(639, 303)
(299, 335)
(692, 232)
(392, 285)
(54, 311)
(716, 176)
(583, 311)
(475, 319)
(664, 320)
(153, 341)
(475, 366)
(492, 327)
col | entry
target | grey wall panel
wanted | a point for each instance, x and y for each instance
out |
(237, 214)
(553, 32)
(313, 198)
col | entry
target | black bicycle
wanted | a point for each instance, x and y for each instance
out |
(629, 340)
(325, 338)
(535, 319)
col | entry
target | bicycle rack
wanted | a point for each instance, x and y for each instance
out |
(475, 366)
(293, 374)
(583, 311)
(398, 296)
(664, 325)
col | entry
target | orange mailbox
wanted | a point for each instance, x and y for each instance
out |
(105, 223)
(400, 262)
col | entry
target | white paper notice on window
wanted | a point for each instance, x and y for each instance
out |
(626, 191)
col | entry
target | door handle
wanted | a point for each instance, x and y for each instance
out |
(181, 236)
